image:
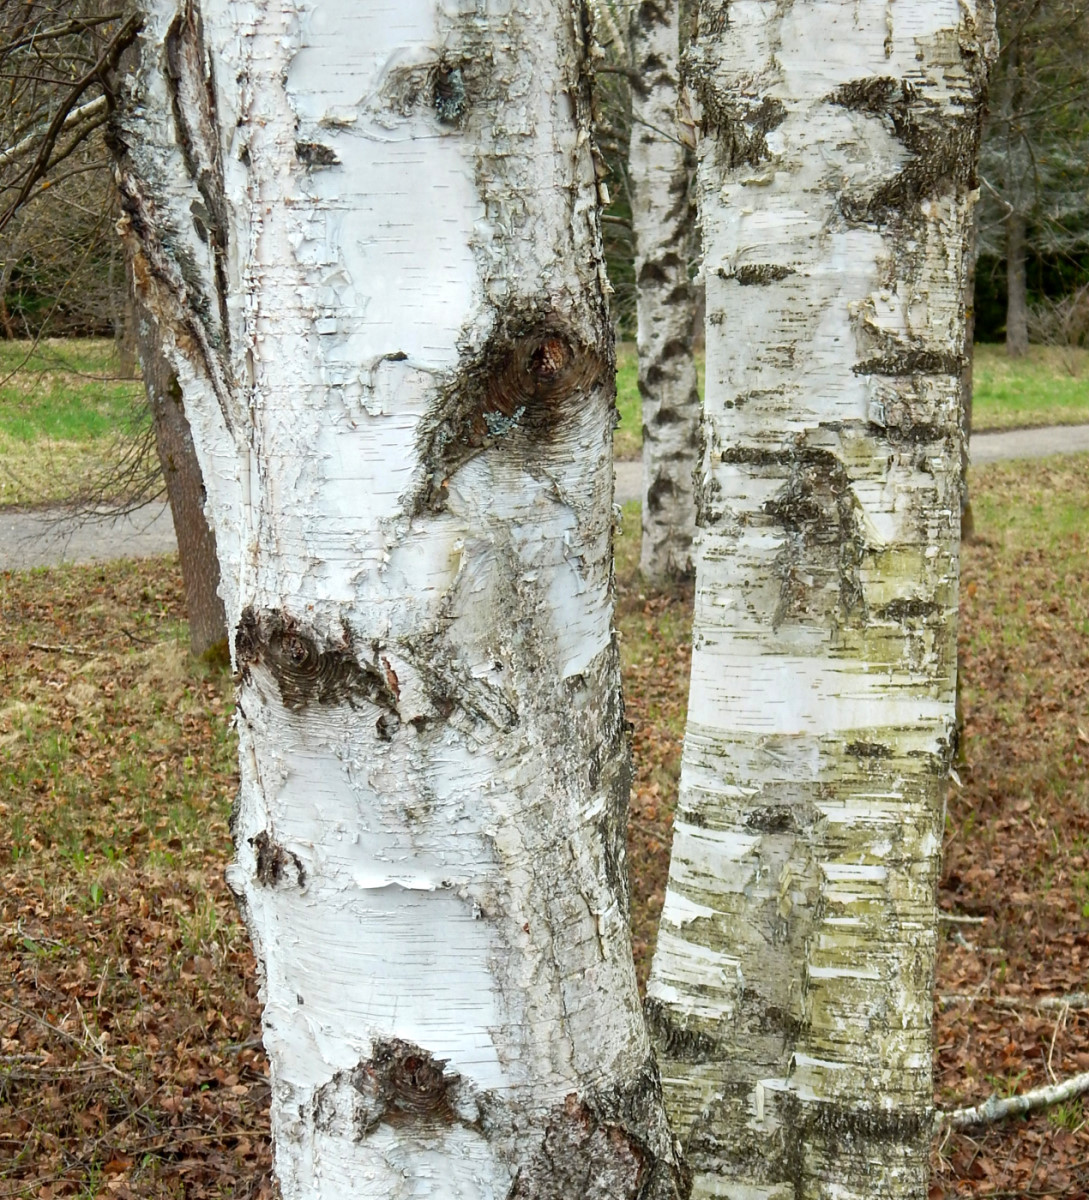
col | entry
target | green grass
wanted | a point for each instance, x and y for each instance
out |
(67, 390)
(64, 410)
(1048, 387)
(1024, 506)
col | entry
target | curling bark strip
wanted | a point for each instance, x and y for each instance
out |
(370, 248)
(791, 986)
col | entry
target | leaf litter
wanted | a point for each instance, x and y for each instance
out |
(130, 1056)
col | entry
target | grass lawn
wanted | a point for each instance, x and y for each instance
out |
(129, 1059)
(63, 411)
(1049, 387)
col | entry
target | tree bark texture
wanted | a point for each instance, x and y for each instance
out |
(663, 221)
(369, 239)
(790, 993)
(184, 490)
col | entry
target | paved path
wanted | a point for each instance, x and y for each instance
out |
(44, 538)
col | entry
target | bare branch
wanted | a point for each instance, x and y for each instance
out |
(994, 1110)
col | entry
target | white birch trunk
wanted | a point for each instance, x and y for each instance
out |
(790, 994)
(368, 235)
(663, 223)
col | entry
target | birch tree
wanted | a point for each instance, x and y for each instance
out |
(663, 221)
(370, 248)
(791, 986)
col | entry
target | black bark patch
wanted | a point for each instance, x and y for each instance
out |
(741, 126)
(273, 861)
(916, 434)
(402, 1082)
(912, 362)
(525, 383)
(912, 609)
(943, 150)
(601, 1146)
(306, 672)
(657, 493)
(776, 818)
(758, 274)
(868, 750)
(674, 1041)
(314, 154)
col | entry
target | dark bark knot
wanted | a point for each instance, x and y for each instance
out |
(274, 861)
(403, 1082)
(307, 672)
(448, 95)
(516, 392)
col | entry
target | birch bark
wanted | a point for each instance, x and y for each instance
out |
(663, 221)
(369, 237)
(791, 987)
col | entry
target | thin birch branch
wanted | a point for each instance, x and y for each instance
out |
(994, 1110)
(89, 111)
(1074, 1000)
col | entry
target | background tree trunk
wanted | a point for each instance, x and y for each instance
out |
(663, 220)
(387, 316)
(185, 491)
(1017, 341)
(790, 992)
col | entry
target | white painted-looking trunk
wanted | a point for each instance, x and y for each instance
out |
(663, 221)
(368, 236)
(791, 987)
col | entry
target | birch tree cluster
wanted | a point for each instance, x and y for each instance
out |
(369, 261)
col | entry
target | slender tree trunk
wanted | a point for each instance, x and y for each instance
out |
(967, 393)
(1016, 288)
(791, 987)
(185, 491)
(662, 221)
(371, 250)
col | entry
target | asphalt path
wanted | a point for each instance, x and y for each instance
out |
(45, 537)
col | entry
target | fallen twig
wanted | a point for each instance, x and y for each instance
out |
(1073, 1000)
(74, 651)
(994, 1110)
(958, 919)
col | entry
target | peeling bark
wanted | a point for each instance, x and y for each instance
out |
(370, 249)
(790, 995)
(663, 221)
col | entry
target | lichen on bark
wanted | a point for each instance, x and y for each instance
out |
(790, 986)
